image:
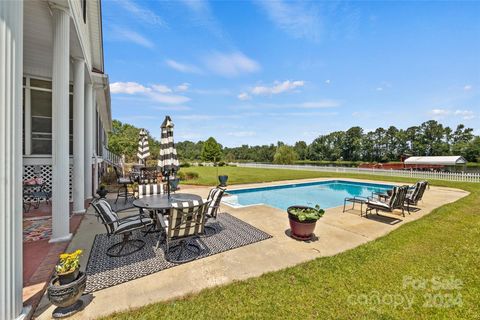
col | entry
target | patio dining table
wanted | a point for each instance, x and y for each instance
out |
(162, 202)
(158, 205)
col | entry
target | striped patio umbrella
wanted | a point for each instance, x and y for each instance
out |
(168, 161)
(143, 151)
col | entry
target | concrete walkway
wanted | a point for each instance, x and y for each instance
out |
(336, 232)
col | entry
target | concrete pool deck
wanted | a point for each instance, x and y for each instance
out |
(336, 232)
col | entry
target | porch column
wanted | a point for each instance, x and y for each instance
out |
(78, 134)
(60, 126)
(11, 71)
(88, 139)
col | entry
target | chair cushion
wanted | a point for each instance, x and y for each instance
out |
(377, 203)
(133, 224)
(149, 189)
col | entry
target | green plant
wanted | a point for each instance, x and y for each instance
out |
(102, 186)
(69, 262)
(188, 175)
(307, 213)
(185, 164)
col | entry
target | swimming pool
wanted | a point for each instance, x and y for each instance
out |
(327, 194)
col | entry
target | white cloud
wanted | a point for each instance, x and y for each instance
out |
(128, 88)
(442, 113)
(124, 34)
(161, 88)
(230, 64)
(244, 96)
(326, 103)
(202, 16)
(465, 114)
(167, 98)
(182, 67)
(379, 89)
(156, 92)
(328, 81)
(467, 87)
(296, 19)
(241, 134)
(142, 13)
(182, 87)
(277, 88)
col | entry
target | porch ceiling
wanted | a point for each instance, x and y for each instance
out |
(38, 39)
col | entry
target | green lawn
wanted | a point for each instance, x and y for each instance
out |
(442, 246)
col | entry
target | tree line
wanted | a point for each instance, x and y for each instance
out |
(430, 138)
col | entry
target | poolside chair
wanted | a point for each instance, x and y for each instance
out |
(185, 221)
(123, 182)
(121, 226)
(215, 197)
(415, 194)
(396, 201)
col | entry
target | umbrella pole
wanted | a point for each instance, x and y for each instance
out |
(168, 185)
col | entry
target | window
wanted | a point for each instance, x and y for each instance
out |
(38, 104)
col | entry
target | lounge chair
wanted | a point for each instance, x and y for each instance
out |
(415, 194)
(214, 197)
(396, 201)
(185, 221)
(121, 226)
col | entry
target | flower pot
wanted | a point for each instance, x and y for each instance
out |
(66, 297)
(102, 193)
(223, 180)
(66, 278)
(301, 230)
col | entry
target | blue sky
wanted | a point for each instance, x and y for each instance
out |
(256, 72)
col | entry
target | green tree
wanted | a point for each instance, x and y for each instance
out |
(285, 155)
(211, 151)
(123, 139)
(301, 149)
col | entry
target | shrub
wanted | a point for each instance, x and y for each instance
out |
(221, 164)
(188, 175)
(185, 164)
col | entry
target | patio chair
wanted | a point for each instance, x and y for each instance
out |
(215, 197)
(185, 221)
(415, 194)
(123, 182)
(396, 201)
(121, 226)
(145, 190)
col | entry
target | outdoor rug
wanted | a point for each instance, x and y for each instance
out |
(104, 271)
(35, 229)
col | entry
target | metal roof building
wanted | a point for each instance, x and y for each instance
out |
(437, 160)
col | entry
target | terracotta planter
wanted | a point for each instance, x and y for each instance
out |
(66, 297)
(301, 230)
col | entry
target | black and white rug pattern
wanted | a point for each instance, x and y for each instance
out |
(104, 271)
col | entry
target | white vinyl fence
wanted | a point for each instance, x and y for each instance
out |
(451, 176)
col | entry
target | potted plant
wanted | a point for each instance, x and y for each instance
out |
(67, 286)
(68, 267)
(102, 191)
(303, 220)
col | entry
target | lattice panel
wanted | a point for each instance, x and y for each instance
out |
(45, 172)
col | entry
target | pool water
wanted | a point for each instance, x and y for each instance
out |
(327, 194)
